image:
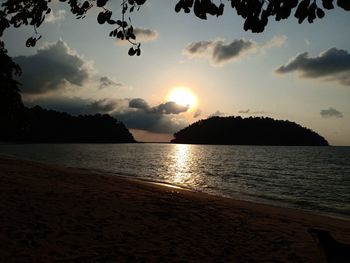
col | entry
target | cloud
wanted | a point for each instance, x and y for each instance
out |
(275, 41)
(219, 52)
(163, 118)
(139, 104)
(142, 35)
(307, 41)
(169, 107)
(52, 68)
(197, 113)
(103, 106)
(244, 111)
(134, 113)
(106, 82)
(78, 106)
(332, 65)
(159, 123)
(331, 113)
(248, 111)
(52, 17)
(216, 114)
(145, 34)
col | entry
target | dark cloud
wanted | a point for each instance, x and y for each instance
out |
(52, 68)
(142, 35)
(169, 107)
(218, 51)
(103, 106)
(73, 106)
(331, 113)
(163, 118)
(78, 106)
(200, 48)
(106, 82)
(332, 64)
(159, 123)
(248, 111)
(145, 34)
(135, 113)
(224, 52)
(216, 114)
(197, 113)
(244, 111)
(139, 104)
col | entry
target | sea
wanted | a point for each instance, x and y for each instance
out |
(315, 179)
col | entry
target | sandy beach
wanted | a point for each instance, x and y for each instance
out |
(57, 214)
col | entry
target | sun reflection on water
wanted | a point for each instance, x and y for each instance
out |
(180, 169)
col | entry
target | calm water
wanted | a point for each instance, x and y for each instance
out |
(308, 178)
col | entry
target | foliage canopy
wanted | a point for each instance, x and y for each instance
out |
(256, 13)
(248, 131)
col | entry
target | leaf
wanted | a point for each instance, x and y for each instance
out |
(189, 3)
(120, 35)
(101, 18)
(140, 2)
(198, 10)
(328, 4)
(220, 10)
(178, 7)
(101, 3)
(132, 36)
(320, 13)
(111, 21)
(85, 5)
(345, 4)
(131, 51)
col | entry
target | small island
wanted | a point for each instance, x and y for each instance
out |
(48, 126)
(248, 131)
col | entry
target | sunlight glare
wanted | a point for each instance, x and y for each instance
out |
(183, 97)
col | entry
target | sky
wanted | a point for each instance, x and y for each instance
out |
(290, 72)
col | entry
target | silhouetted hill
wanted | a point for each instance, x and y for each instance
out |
(57, 127)
(248, 131)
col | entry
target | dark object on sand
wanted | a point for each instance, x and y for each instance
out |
(334, 251)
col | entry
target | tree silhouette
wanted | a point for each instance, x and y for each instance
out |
(248, 131)
(256, 13)
(12, 113)
(51, 126)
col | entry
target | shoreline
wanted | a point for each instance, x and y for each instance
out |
(55, 213)
(239, 197)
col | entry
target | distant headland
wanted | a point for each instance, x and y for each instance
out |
(49, 126)
(248, 131)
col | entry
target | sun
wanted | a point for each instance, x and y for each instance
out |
(183, 97)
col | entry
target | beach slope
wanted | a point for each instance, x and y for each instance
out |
(58, 214)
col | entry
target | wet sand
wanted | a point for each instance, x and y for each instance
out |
(57, 214)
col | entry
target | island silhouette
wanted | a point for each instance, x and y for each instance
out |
(49, 126)
(248, 131)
